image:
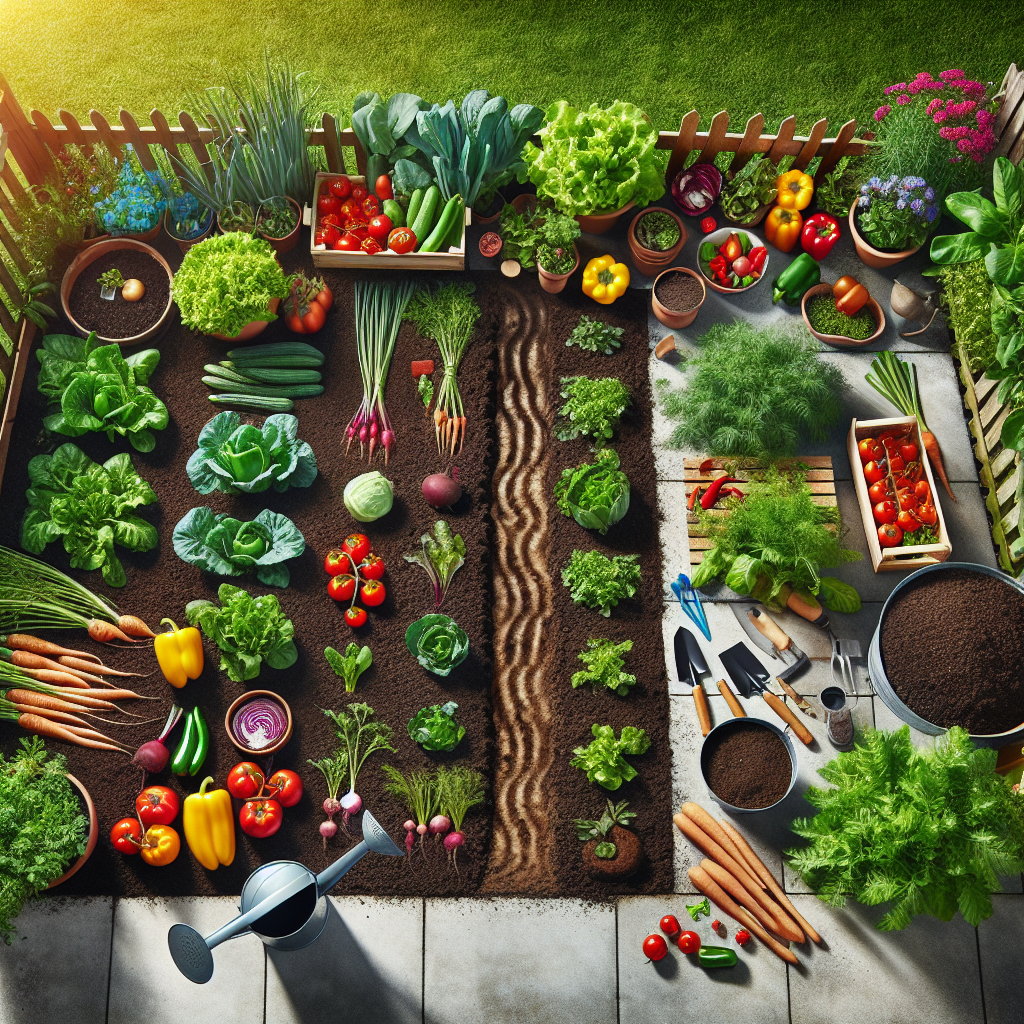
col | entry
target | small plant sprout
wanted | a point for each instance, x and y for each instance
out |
(359, 737)
(111, 279)
(459, 789)
(333, 769)
(418, 791)
(615, 814)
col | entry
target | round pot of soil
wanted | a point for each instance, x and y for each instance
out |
(878, 258)
(554, 283)
(748, 765)
(286, 242)
(966, 623)
(625, 861)
(259, 722)
(184, 244)
(251, 329)
(492, 212)
(601, 221)
(525, 202)
(94, 829)
(117, 320)
(677, 296)
(841, 340)
(652, 261)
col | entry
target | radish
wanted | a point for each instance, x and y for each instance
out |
(328, 829)
(154, 755)
(439, 824)
(458, 789)
(351, 803)
(453, 841)
(421, 830)
(419, 792)
(331, 806)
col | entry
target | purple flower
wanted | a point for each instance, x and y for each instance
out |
(917, 206)
(882, 111)
(929, 193)
(864, 202)
(901, 203)
(931, 213)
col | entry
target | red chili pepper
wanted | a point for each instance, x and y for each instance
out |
(743, 936)
(819, 233)
(711, 494)
(732, 492)
(692, 500)
(757, 256)
(708, 224)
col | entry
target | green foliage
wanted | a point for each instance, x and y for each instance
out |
(602, 759)
(592, 409)
(435, 728)
(967, 294)
(381, 126)
(599, 582)
(42, 827)
(352, 665)
(756, 393)
(111, 278)
(604, 664)
(441, 557)
(555, 260)
(595, 494)
(417, 790)
(657, 231)
(458, 789)
(752, 187)
(927, 831)
(425, 389)
(88, 505)
(838, 189)
(360, 736)
(826, 319)
(437, 643)
(595, 335)
(524, 234)
(615, 814)
(248, 630)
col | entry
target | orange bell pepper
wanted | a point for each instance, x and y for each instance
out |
(782, 228)
(850, 295)
(160, 845)
(795, 190)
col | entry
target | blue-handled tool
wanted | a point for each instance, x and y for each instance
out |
(690, 601)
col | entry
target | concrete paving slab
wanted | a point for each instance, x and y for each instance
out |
(1001, 951)
(675, 544)
(146, 986)
(678, 988)
(543, 961)
(58, 966)
(925, 974)
(366, 968)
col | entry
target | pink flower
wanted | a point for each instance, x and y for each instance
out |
(903, 100)
(882, 111)
(965, 146)
(933, 106)
(914, 87)
(948, 76)
(985, 119)
(894, 88)
(953, 133)
(939, 116)
(925, 75)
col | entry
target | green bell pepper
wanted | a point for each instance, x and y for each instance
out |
(793, 282)
(716, 956)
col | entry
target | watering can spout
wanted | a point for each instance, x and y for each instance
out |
(375, 840)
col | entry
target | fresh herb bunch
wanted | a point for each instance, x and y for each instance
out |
(110, 278)
(603, 759)
(524, 234)
(555, 260)
(238, 216)
(604, 665)
(599, 582)
(826, 319)
(42, 827)
(435, 728)
(896, 213)
(967, 292)
(351, 665)
(775, 542)
(840, 187)
(752, 187)
(595, 494)
(657, 231)
(277, 218)
(441, 556)
(928, 831)
(595, 336)
(756, 392)
(425, 389)
(592, 409)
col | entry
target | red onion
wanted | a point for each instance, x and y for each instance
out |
(441, 490)
(153, 756)
(259, 723)
(695, 189)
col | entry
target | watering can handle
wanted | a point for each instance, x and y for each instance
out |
(230, 929)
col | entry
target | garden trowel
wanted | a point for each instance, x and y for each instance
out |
(690, 666)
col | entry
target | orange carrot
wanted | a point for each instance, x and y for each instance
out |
(109, 694)
(29, 698)
(24, 642)
(24, 659)
(63, 678)
(57, 716)
(134, 626)
(77, 697)
(931, 446)
(775, 922)
(104, 632)
(87, 666)
(42, 727)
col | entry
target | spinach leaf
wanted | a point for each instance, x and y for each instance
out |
(435, 728)
(603, 759)
(595, 494)
(441, 557)
(438, 643)
(355, 662)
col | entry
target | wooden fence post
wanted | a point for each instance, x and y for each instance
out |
(683, 144)
(24, 143)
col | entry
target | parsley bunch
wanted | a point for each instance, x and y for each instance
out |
(592, 409)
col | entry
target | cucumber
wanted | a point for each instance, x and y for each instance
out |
(443, 227)
(275, 375)
(254, 402)
(394, 213)
(281, 361)
(265, 390)
(455, 238)
(427, 216)
(222, 371)
(414, 205)
(280, 348)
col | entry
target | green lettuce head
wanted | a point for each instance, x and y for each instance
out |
(595, 494)
(438, 643)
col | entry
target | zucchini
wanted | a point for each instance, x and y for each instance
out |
(394, 213)
(280, 348)
(278, 375)
(414, 205)
(242, 365)
(427, 216)
(443, 228)
(265, 390)
(254, 402)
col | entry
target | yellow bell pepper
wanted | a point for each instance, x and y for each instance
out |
(795, 190)
(604, 280)
(210, 826)
(782, 228)
(179, 653)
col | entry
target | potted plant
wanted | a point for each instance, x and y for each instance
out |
(278, 221)
(230, 286)
(890, 219)
(236, 216)
(677, 296)
(187, 221)
(536, 234)
(747, 195)
(136, 207)
(597, 163)
(655, 238)
(612, 850)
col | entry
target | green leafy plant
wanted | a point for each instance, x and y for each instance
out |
(755, 392)
(111, 278)
(381, 127)
(441, 556)
(32, 307)
(277, 217)
(458, 790)
(603, 759)
(425, 389)
(523, 235)
(615, 814)
(753, 186)
(595, 336)
(360, 736)
(89, 507)
(99, 390)
(229, 547)
(592, 408)
(437, 643)
(775, 542)
(657, 231)
(928, 831)
(417, 790)
(967, 293)
(555, 260)
(248, 630)
(435, 728)
(599, 582)
(240, 458)
(604, 664)
(42, 827)
(838, 189)
(228, 281)
(350, 666)
(595, 494)
(596, 159)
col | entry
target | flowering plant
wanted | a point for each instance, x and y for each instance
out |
(137, 204)
(896, 213)
(190, 217)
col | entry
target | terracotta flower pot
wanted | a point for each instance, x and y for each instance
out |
(251, 329)
(875, 257)
(838, 340)
(651, 261)
(599, 222)
(89, 256)
(490, 218)
(524, 202)
(287, 242)
(554, 283)
(676, 318)
(184, 244)
(223, 230)
(244, 699)
(145, 236)
(94, 831)
(86, 243)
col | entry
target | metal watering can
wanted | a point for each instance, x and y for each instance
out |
(283, 903)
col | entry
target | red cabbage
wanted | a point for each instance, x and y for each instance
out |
(259, 723)
(695, 189)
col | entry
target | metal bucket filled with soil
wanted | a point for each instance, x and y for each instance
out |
(949, 650)
(748, 765)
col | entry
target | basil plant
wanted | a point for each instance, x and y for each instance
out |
(438, 643)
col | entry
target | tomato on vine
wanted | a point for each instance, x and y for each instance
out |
(356, 617)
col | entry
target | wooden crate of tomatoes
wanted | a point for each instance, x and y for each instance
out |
(355, 227)
(896, 491)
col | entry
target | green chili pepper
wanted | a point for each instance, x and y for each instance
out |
(801, 274)
(186, 747)
(716, 956)
(202, 742)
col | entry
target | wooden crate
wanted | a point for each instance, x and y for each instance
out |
(819, 476)
(912, 556)
(453, 259)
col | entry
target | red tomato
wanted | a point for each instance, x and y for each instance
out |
(873, 472)
(380, 226)
(260, 818)
(655, 947)
(351, 210)
(372, 567)
(157, 805)
(907, 523)
(909, 451)
(325, 297)
(907, 498)
(340, 187)
(742, 937)
(402, 240)
(669, 925)
(689, 942)
(318, 238)
(359, 193)
(879, 491)
(337, 562)
(294, 323)
(372, 593)
(383, 188)
(342, 587)
(869, 449)
(356, 617)
(922, 490)
(122, 834)
(313, 317)
(331, 220)
(371, 207)
(896, 463)
(360, 229)
(927, 514)
(886, 512)
(245, 780)
(348, 242)
(371, 246)
(331, 235)
(288, 786)
(328, 204)
(889, 535)
(357, 545)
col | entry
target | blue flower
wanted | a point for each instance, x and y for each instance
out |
(929, 194)
(886, 188)
(874, 182)
(917, 206)
(864, 202)
(901, 203)
(931, 213)
(94, 190)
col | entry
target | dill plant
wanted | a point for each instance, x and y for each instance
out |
(966, 293)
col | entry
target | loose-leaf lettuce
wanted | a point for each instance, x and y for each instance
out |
(595, 494)
(604, 665)
(441, 557)
(438, 643)
(435, 728)
(602, 759)
(600, 582)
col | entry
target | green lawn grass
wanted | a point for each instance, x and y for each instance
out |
(811, 58)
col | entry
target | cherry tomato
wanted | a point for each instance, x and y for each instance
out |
(245, 780)
(313, 317)
(371, 246)
(325, 297)
(909, 451)
(689, 942)
(160, 845)
(157, 805)
(372, 593)
(342, 587)
(873, 472)
(328, 204)
(260, 818)
(348, 242)
(886, 511)
(360, 229)
(869, 450)
(669, 925)
(288, 786)
(340, 187)
(922, 490)
(330, 220)
(907, 499)
(357, 545)
(351, 210)
(927, 514)
(372, 567)
(380, 226)
(402, 240)
(742, 936)
(359, 193)
(889, 535)
(383, 188)
(337, 562)
(655, 947)
(331, 235)
(122, 834)
(371, 206)
(907, 523)
(896, 464)
(879, 491)
(356, 617)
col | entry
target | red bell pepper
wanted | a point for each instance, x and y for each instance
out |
(820, 232)
(719, 267)
(757, 256)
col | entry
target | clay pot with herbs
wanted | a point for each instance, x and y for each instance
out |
(273, 220)
(552, 282)
(677, 296)
(878, 258)
(655, 238)
(612, 851)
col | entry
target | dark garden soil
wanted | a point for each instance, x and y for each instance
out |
(952, 645)
(748, 766)
(119, 318)
(679, 292)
